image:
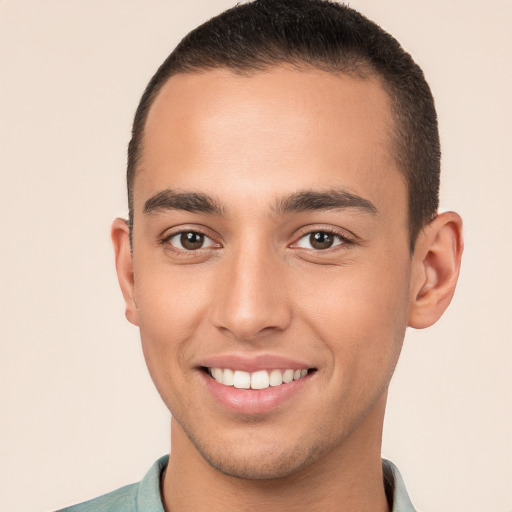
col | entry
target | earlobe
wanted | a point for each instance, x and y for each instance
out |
(120, 234)
(436, 265)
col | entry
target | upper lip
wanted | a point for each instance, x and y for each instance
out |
(252, 362)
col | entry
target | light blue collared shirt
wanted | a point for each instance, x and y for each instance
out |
(145, 496)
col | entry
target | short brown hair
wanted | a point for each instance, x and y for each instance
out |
(255, 36)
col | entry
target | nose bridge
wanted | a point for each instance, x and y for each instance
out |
(251, 296)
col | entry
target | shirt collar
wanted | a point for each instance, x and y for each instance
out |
(149, 492)
(149, 496)
(394, 483)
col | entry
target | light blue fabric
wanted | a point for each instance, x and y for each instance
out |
(141, 497)
(145, 496)
(400, 497)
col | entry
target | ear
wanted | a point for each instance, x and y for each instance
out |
(436, 265)
(124, 265)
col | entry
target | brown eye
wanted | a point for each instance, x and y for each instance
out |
(321, 240)
(190, 241)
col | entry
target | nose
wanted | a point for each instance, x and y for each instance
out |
(251, 298)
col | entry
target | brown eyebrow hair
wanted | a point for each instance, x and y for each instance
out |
(307, 200)
(332, 199)
(195, 202)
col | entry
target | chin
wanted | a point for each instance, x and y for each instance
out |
(278, 466)
(259, 460)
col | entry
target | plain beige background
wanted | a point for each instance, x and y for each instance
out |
(79, 415)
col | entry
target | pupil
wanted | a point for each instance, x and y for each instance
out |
(321, 240)
(192, 240)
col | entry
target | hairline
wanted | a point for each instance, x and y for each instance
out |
(359, 67)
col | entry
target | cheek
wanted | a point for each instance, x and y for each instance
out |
(360, 313)
(169, 298)
(169, 308)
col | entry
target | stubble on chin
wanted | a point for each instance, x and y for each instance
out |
(250, 460)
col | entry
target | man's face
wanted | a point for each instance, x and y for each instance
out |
(270, 234)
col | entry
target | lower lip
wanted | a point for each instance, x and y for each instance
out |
(253, 401)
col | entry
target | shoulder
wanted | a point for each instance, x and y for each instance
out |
(123, 499)
(395, 488)
(143, 496)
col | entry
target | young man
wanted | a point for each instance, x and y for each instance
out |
(283, 232)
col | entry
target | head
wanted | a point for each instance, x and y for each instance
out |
(283, 189)
(322, 35)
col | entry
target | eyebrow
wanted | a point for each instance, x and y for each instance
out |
(334, 199)
(195, 202)
(308, 200)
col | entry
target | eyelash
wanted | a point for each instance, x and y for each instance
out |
(166, 241)
(343, 239)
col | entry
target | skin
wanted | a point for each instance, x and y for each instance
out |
(259, 287)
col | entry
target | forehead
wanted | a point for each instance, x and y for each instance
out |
(292, 129)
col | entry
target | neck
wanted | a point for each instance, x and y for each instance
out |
(347, 479)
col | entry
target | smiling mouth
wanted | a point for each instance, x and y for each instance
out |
(261, 379)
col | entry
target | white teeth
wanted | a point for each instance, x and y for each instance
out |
(287, 376)
(242, 380)
(276, 378)
(228, 378)
(217, 374)
(260, 379)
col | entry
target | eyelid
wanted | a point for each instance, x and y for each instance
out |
(346, 238)
(206, 245)
(168, 234)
